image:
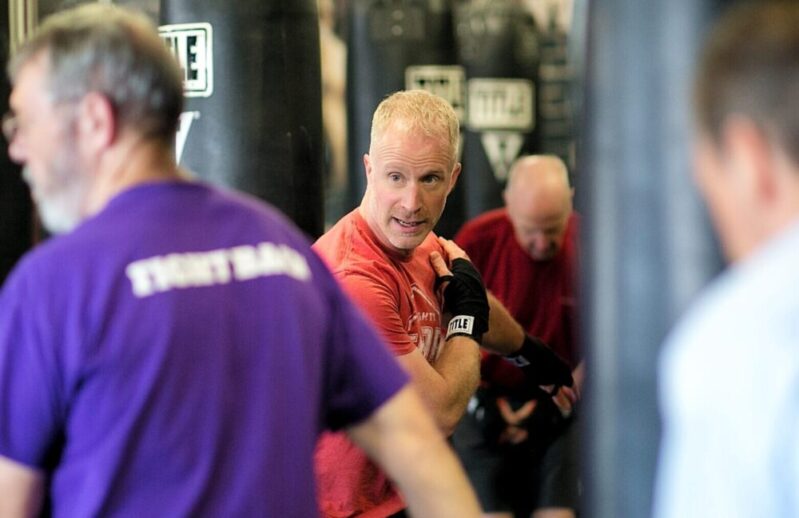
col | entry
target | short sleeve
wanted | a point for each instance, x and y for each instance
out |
(361, 373)
(29, 401)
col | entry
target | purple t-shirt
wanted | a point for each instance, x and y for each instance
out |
(177, 355)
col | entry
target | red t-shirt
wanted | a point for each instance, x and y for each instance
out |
(398, 294)
(540, 295)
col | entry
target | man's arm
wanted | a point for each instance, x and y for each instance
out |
(505, 335)
(21, 489)
(402, 438)
(447, 384)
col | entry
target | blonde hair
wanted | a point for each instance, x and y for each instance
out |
(419, 111)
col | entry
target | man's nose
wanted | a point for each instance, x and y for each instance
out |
(16, 149)
(540, 242)
(411, 197)
(10, 127)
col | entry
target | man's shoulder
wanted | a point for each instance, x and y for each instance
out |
(55, 252)
(348, 245)
(487, 220)
(487, 223)
(737, 308)
(358, 262)
(336, 246)
(50, 269)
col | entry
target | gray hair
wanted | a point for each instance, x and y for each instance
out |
(114, 51)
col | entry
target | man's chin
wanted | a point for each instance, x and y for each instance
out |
(541, 256)
(56, 220)
(408, 243)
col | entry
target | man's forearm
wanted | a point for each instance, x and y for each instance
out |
(401, 437)
(459, 366)
(504, 335)
(446, 385)
(21, 489)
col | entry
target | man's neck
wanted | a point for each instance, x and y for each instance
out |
(132, 161)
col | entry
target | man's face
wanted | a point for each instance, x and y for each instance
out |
(44, 142)
(724, 188)
(409, 177)
(540, 227)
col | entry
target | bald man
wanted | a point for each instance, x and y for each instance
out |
(522, 455)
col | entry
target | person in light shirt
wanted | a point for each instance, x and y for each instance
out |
(729, 371)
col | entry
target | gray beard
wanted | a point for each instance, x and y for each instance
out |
(59, 209)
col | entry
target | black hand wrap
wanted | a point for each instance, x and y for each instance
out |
(465, 299)
(541, 366)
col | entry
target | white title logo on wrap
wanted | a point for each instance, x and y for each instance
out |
(196, 269)
(460, 325)
(192, 45)
(502, 110)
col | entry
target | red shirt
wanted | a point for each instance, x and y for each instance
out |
(540, 295)
(397, 293)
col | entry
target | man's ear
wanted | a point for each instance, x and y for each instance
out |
(97, 121)
(367, 165)
(749, 154)
(456, 172)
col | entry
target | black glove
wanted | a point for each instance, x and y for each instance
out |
(541, 366)
(465, 299)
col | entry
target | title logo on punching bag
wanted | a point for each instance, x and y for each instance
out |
(502, 111)
(184, 125)
(501, 104)
(192, 45)
(447, 81)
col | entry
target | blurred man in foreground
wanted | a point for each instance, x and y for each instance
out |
(730, 370)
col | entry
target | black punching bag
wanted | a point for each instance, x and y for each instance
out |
(646, 241)
(398, 45)
(252, 81)
(554, 121)
(498, 46)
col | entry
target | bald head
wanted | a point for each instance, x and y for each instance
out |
(538, 199)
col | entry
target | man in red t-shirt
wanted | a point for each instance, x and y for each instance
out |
(527, 254)
(388, 260)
